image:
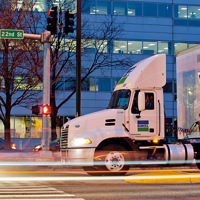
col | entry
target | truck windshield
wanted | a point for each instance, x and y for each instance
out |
(119, 99)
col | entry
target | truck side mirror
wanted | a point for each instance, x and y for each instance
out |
(141, 101)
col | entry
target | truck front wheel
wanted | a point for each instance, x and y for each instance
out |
(111, 160)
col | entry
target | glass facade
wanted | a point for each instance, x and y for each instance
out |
(184, 15)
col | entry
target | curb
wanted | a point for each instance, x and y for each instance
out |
(164, 177)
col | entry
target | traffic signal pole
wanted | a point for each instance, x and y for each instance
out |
(46, 39)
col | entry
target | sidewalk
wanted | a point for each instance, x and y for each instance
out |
(26, 156)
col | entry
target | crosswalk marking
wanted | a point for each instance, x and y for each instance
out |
(35, 193)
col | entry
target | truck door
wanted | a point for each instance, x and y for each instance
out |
(143, 124)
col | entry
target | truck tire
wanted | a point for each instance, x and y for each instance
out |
(111, 160)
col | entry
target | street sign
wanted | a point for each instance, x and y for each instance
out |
(11, 34)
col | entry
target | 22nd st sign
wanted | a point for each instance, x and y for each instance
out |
(11, 34)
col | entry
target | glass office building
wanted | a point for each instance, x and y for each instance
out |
(147, 28)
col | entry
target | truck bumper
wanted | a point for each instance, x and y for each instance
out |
(81, 157)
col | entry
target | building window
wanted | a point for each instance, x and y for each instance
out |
(192, 44)
(150, 9)
(103, 84)
(134, 9)
(164, 10)
(120, 46)
(115, 82)
(70, 45)
(180, 11)
(135, 47)
(88, 85)
(88, 7)
(88, 46)
(70, 83)
(168, 87)
(194, 12)
(60, 84)
(165, 47)
(149, 47)
(119, 8)
(103, 7)
(180, 47)
(102, 46)
(39, 6)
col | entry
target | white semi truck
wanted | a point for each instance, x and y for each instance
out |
(131, 129)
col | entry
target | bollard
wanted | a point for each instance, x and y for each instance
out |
(20, 145)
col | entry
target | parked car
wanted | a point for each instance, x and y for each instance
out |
(55, 145)
(2, 143)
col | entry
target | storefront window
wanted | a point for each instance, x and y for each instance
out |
(135, 47)
(36, 127)
(134, 9)
(119, 8)
(1, 129)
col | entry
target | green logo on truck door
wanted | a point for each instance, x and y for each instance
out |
(143, 125)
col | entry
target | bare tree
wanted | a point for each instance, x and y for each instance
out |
(20, 62)
(98, 36)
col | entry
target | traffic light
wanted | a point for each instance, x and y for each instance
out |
(36, 110)
(52, 20)
(46, 109)
(69, 22)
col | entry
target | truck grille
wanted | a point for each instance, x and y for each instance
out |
(64, 137)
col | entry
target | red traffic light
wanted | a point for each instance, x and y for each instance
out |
(52, 20)
(46, 110)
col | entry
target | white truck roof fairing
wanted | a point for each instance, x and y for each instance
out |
(148, 73)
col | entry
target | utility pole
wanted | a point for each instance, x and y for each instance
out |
(78, 60)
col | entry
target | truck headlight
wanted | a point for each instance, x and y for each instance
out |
(81, 141)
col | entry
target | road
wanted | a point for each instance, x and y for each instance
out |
(52, 183)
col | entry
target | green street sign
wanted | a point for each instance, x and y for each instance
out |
(11, 34)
